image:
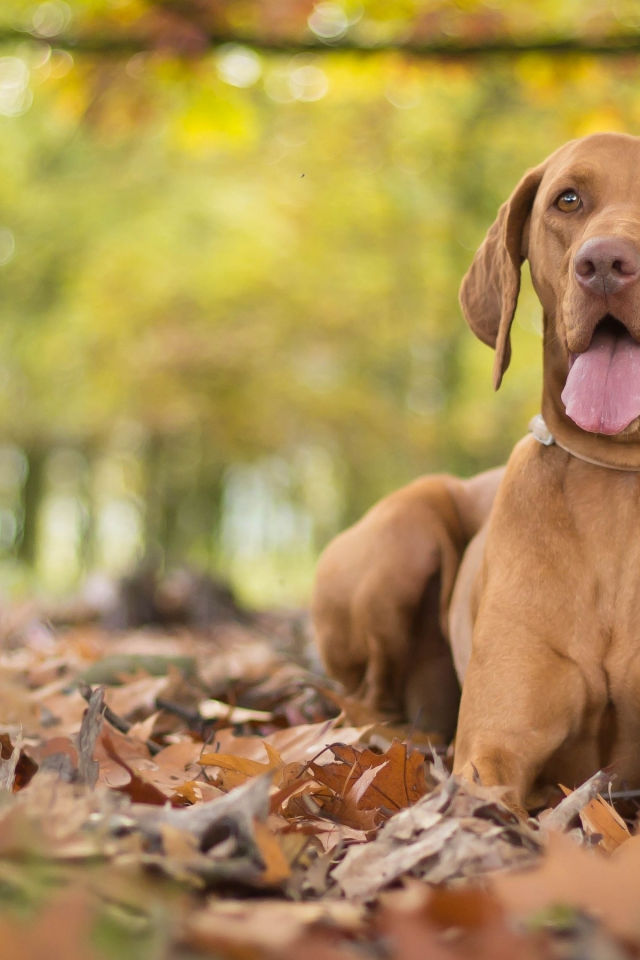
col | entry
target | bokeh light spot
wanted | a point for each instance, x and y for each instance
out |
(51, 18)
(328, 21)
(308, 83)
(61, 64)
(15, 95)
(238, 66)
(278, 87)
(7, 245)
(403, 96)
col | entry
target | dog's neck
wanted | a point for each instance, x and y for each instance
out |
(621, 452)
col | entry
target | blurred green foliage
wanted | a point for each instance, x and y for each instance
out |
(251, 261)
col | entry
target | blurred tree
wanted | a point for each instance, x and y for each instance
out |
(232, 258)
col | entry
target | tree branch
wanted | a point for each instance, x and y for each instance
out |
(117, 44)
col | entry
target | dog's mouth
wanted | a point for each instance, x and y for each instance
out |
(602, 392)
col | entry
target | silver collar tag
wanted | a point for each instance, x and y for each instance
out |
(541, 431)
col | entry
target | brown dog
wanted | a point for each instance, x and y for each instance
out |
(549, 587)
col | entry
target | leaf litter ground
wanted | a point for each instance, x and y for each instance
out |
(185, 794)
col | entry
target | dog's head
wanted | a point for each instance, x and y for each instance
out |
(576, 218)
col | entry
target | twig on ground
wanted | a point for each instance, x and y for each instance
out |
(120, 724)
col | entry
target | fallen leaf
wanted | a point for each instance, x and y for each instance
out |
(236, 770)
(400, 780)
(136, 695)
(239, 929)
(433, 840)
(8, 766)
(111, 754)
(276, 867)
(144, 728)
(560, 817)
(139, 787)
(297, 744)
(570, 876)
(599, 817)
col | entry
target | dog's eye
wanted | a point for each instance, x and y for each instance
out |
(568, 201)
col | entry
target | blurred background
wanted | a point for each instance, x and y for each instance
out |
(231, 238)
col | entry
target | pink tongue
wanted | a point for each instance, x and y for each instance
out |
(602, 392)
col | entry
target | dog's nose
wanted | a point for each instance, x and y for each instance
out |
(605, 265)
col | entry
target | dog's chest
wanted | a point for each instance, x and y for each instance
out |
(603, 570)
(568, 539)
(603, 512)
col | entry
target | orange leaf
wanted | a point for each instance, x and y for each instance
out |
(241, 765)
(599, 817)
(399, 782)
(276, 867)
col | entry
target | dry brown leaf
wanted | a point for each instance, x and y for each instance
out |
(165, 775)
(110, 754)
(291, 788)
(460, 829)
(560, 817)
(65, 709)
(49, 819)
(606, 888)
(18, 768)
(296, 744)
(370, 867)
(15, 706)
(238, 929)
(599, 817)
(53, 748)
(366, 781)
(136, 695)
(415, 928)
(188, 792)
(234, 771)
(330, 835)
(8, 767)
(248, 768)
(144, 728)
(140, 787)
(240, 660)
(276, 866)
(184, 753)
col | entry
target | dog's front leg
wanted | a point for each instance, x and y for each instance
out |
(534, 684)
(522, 699)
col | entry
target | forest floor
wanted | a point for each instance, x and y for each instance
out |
(181, 793)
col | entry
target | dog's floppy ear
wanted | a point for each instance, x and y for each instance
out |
(489, 291)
